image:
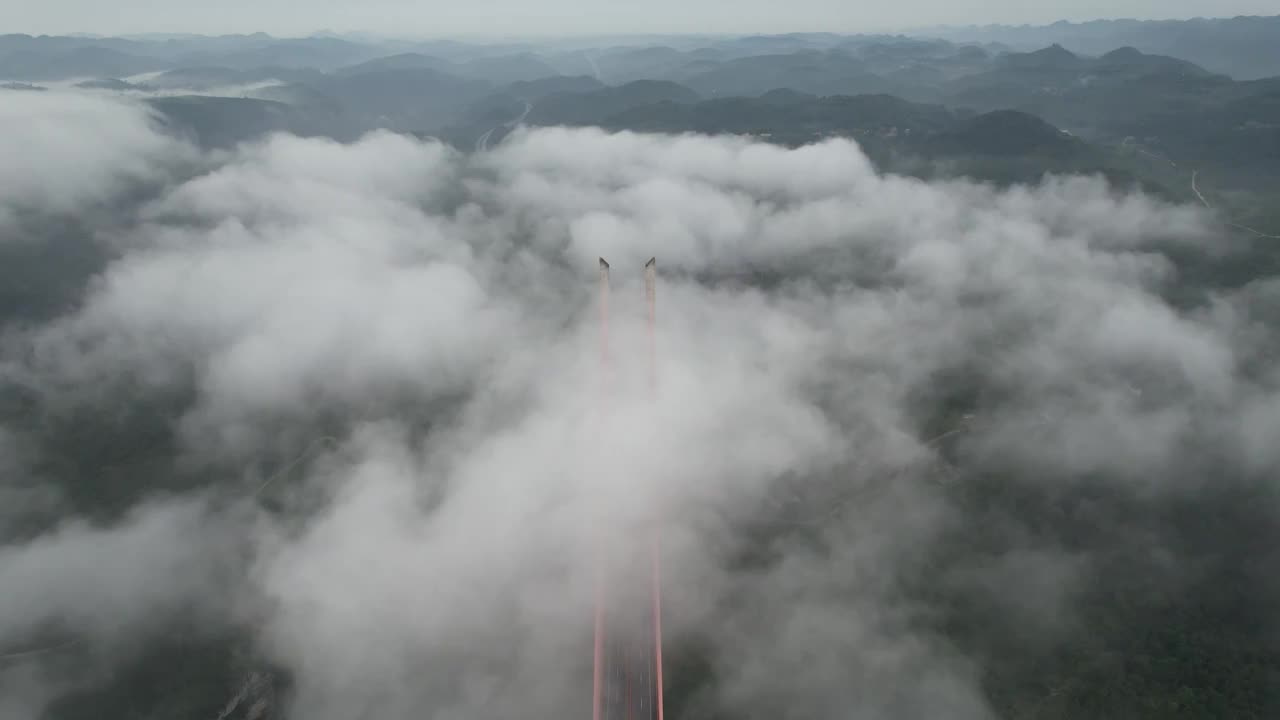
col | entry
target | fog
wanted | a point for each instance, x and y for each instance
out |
(69, 152)
(388, 445)
(505, 18)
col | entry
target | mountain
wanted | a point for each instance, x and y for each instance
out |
(504, 69)
(911, 68)
(46, 63)
(1050, 59)
(316, 53)
(1091, 96)
(534, 90)
(403, 99)
(1130, 60)
(785, 96)
(786, 43)
(1013, 77)
(1110, 94)
(511, 101)
(299, 95)
(1242, 47)
(1170, 107)
(402, 61)
(593, 107)
(1121, 95)
(1004, 133)
(912, 138)
(206, 78)
(788, 117)
(24, 57)
(220, 122)
(819, 73)
(628, 64)
(500, 70)
(108, 84)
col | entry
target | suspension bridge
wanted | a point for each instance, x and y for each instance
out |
(627, 657)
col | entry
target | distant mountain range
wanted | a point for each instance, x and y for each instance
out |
(1243, 47)
(969, 100)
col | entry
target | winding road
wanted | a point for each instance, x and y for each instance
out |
(1195, 188)
(1256, 233)
(482, 143)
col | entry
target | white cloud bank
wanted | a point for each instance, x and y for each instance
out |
(442, 569)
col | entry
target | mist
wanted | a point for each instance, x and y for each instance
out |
(569, 18)
(345, 404)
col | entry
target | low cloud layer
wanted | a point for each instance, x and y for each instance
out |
(376, 368)
(68, 153)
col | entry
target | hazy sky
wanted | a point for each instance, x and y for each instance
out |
(516, 17)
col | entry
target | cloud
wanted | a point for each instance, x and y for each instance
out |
(68, 153)
(85, 598)
(109, 580)
(434, 314)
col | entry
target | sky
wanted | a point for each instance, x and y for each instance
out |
(560, 17)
